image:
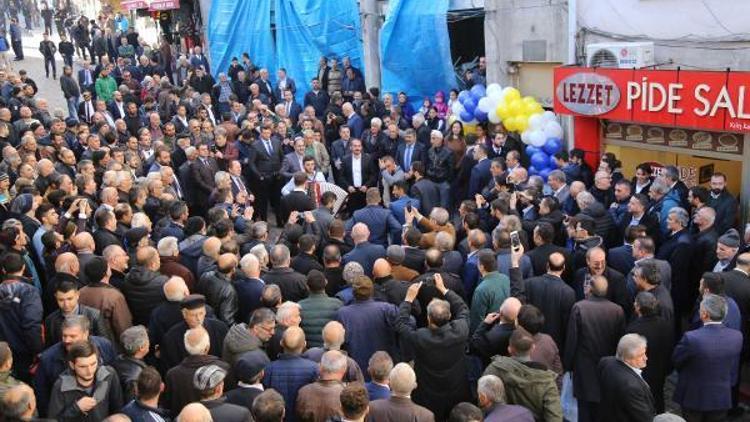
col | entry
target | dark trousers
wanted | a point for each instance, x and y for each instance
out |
(50, 61)
(48, 27)
(268, 192)
(68, 59)
(697, 416)
(588, 411)
(17, 48)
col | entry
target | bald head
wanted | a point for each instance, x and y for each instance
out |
(381, 268)
(360, 233)
(211, 247)
(577, 187)
(148, 256)
(599, 286)
(67, 263)
(197, 341)
(293, 341)
(226, 263)
(195, 412)
(83, 242)
(175, 289)
(333, 335)
(509, 309)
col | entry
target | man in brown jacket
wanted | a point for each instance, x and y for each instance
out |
(319, 401)
(107, 299)
(439, 221)
(399, 407)
(169, 254)
(395, 255)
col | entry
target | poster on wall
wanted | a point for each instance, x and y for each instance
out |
(688, 174)
(696, 140)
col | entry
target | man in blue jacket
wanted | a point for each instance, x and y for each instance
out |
(379, 220)
(400, 200)
(364, 252)
(707, 362)
(663, 200)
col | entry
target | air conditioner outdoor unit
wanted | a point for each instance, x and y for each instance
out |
(620, 55)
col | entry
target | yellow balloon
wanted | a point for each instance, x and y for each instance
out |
(529, 100)
(530, 108)
(515, 107)
(522, 123)
(510, 123)
(538, 109)
(470, 129)
(502, 111)
(512, 94)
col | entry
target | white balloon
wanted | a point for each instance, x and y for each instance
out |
(493, 117)
(525, 136)
(494, 89)
(549, 116)
(485, 104)
(457, 108)
(553, 130)
(537, 138)
(536, 121)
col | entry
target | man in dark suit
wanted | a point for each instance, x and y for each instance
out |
(116, 106)
(264, 162)
(298, 199)
(596, 265)
(660, 337)
(202, 173)
(291, 107)
(543, 237)
(283, 83)
(86, 77)
(317, 98)
(625, 394)
(424, 189)
(707, 361)
(621, 257)
(364, 252)
(549, 293)
(480, 173)
(235, 175)
(442, 376)
(381, 222)
(264, 85)
(737, 286)
(358, 172)
(677, 249)
(409, 151)
(646, 276)
(643, 250)
(594, 328)
(637, 215)
(86, 108)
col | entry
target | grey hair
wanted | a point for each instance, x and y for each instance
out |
(659, 186)
(285, 311)
(440, 215)
(558, 175)
(492, 387)
(14, 410)
(402, 379)
(259, 229)
(709, 214)
(444, 241)
(203, 344)
(584, 199)
(167, 246)
(715, 306)
(280, 255)
(80, 321)
(628, 346)
(536, 182)
(11, 222)
(439, 311)
(261, 253)
(681, 215)
(220, 175)
(134, 338)
(333, 362)
(672, 173)
(249, 260)
(396, 254)
(351, 271)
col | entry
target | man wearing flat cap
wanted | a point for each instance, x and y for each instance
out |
(726, 250)
(193, 309)
(249, 371)
(209, 381)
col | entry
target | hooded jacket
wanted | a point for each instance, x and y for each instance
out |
(143, 289)
(529, 384)
(605, 224)
(191, 250)
(239, 340)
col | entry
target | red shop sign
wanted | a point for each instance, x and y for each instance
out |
(698, 99)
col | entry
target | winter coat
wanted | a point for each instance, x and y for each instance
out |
(54, 321)
(220, 294)
(66, 392)
(317, 310)
(529, 384)
(239, 340)
(179, 381)
(144, 291)
(191, 250)
(488, 296)
(287, 375)
(21, 316)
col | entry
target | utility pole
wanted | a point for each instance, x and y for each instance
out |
(371, 41)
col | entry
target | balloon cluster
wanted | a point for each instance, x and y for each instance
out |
(539, 129)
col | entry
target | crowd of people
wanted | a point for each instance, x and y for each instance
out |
(414, 272)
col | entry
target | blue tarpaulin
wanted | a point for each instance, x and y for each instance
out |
(238, 26)
(309, 29)
(415, 49)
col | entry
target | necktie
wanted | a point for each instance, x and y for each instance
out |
(177, 187)
(288, 108)
(407, 159)
(88, 77)
(269, 150)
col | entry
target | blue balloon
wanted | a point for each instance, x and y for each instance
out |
(540, 160)
(469, 105)
(466, 116)
(478, 91)
(552, 146)
(545, 173)
(480, 115)
(463, 95)
(552, 162)
(533, 171)
(531, 150)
